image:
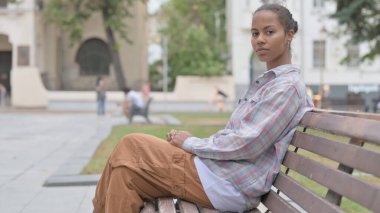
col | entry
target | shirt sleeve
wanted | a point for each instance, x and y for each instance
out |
(259, 128)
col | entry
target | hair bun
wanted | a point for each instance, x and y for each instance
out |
(295, 27)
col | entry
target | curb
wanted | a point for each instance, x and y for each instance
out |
(68, 174)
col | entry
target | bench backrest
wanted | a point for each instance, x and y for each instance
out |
(337, 154)
(147, 105)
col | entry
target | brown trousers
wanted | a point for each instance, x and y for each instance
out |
(144, 167)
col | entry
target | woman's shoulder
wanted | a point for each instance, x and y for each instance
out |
(289, 80)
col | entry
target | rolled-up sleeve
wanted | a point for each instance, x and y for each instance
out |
(259, 127)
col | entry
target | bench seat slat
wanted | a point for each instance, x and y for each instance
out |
(338, 181)
(365, 129)
(277, 204)
(303, 196)
(253, 211)
(209, 211)
(148, 208)
(166, 205)
(350, 155)
(187, 207)
(365, 115)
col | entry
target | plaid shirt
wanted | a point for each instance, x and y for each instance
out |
(249, 150)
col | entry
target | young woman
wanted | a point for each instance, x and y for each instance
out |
(233, 168)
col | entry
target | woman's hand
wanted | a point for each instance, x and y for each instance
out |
(176, 137)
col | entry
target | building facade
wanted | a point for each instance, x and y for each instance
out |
(28, 41)
(314, 50)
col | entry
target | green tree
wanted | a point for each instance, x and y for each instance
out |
(70, 15)
(361, 20)
(197, 38)
(155, 76)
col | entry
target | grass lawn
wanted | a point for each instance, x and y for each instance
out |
(199, 124)
(205, 124)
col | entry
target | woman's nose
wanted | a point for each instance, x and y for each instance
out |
(260, 39)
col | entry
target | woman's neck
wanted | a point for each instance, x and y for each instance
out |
(281, 61)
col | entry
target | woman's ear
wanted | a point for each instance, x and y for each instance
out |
(290, 35)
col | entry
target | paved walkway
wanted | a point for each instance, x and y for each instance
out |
(36, 147)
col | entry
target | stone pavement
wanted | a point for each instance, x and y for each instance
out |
(40, 146)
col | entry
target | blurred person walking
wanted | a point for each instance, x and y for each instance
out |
(132, 101)
(3, 95)
(101, 96)
(219, 99)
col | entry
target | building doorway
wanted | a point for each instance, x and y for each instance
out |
(5, 62)
(5, 69)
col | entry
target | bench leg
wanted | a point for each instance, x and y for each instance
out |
(130, 118)
(147, 119)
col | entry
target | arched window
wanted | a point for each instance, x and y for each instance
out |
(94, 57)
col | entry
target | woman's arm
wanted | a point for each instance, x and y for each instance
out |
(259, 127)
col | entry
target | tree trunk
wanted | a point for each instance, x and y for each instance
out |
(111, 40)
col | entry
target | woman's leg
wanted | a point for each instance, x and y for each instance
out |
(143, 167)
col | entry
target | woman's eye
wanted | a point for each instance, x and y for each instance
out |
(255, 34)
(270, 32)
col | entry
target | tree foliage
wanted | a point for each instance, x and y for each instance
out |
(361, 20)
(70, 15)
(197, 39)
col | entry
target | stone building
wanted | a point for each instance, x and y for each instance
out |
(36, 56)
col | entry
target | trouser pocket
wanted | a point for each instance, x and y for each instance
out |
(177, 174)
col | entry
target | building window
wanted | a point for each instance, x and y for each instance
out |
(318, 3)
(319, 54)
(23, 56)
(353, 55)
(94, 57)
(3, 3)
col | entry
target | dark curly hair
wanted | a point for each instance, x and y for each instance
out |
(284, 16)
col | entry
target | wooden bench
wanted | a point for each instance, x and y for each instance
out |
(346, 104)
(336, 153)
(143, 112)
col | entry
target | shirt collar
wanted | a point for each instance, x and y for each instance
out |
(282, 69)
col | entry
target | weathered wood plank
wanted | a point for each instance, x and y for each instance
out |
(253, 211)
(303, 196)
(351, 127)
(277, 204)
(350, 155)
(166, 205)
(332, 196)
(203, 210)
(366, 115)
(148, 208)
(187, 207)
(363, 193)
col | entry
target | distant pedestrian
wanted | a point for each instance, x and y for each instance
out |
(219, 99)
(101, 96)
(3, 94)
(132, 101)
(145, 89)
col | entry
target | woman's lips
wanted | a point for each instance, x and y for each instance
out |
(261, 52)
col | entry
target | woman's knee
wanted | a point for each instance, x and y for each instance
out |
(138, 139)
(127, 149)
(131, 140)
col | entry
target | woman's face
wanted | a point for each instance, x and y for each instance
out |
(269, 40)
